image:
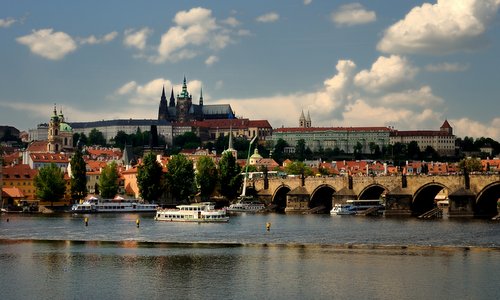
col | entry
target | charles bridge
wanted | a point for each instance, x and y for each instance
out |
(469, 195)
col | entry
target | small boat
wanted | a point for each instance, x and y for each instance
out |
(203, 212)
(95, 205)
(358, 207)
(342, 209)
(247, 205)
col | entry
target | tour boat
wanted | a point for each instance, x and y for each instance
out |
(196, 212)
(246, 205)
(95, 205)
(357, 207)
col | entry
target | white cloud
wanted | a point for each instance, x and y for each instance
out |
(445, 27)
(307, 2)
(93, 40)
(49, 44)
(194, 28)
(386, 72)
(243, 32)
(127, 88)
(5, 23)
(352, 14)
(447, 67)
(421, 97)
(231, 21)
(466, 127)
(268, 18)
(211, 60)
(137, 38)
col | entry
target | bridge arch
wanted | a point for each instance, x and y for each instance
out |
(322, 196)
(279, 197)
(423, 199)
(486, 200)
(373, 191)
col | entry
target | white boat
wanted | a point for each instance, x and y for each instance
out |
(246, 206)
(95, 205)
(197, 212)
(357, 207)
(342, 209)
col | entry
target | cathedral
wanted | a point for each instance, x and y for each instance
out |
(60, 134)
(183, 110)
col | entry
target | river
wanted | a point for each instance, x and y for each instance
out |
(301, 256)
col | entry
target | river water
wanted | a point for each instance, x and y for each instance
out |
(300, 257)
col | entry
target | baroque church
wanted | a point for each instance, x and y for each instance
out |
(60, 134)
(185, 111)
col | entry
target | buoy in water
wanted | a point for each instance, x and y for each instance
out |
(137, 222)
(86, 221)
(268, 226)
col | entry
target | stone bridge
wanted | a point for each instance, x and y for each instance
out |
(469, 195)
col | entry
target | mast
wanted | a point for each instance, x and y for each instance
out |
(243, 192)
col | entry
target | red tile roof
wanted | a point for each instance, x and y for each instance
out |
(19, 172)
(50, 157)
(419, 133)
(316, 129)
(37, 146)
(13, 192)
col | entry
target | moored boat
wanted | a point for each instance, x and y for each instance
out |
(95, 205)
(358, 207)
(196, 212)
(247, 205)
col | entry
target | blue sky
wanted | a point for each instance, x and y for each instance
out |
(407, 64)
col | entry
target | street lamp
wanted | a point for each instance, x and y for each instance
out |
(243, 193)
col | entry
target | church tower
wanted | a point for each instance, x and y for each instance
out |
(302, 120)
(308, 120)
(184, 102)
(446, 127)
(163, 110)
(54, 140)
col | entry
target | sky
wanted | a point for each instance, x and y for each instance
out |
(405, 64)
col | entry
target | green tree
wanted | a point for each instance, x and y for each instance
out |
(230, 178)
(180, 177)
(80, 137)
(189, 140)
(50, 184)
(96, 138)
(108, 181)
(298, 168)
(300, 150)
(206, 176)
(413, 150)
(78, 176)
(149, 178)
(472, 164)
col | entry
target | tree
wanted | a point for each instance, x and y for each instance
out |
(230, 178)
(149, 178)
(188, 140)
(108, 181)
(180, 177)
(298, 168)
(206, 176)
(413, 150)
(80, 137)
(472, 164)
(50, 184)
(78, 176)
(96, 138)
(300, 150)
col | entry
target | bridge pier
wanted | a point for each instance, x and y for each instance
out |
(461, 203)
(297, 200)
(398, 202)
(343, 195)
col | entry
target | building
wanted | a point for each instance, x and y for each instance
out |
(343, 138)
(110, 128)
(211, 130)
(60, 134)
(442, 140)
(21, 177)
(185, 111)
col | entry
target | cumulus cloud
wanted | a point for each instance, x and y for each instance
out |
(212, 59)
(466, 127)
(268, 18)
(194, 28)
(445, 27)
(352, 14)
(421, 97)
(231, 21)
(93, 40)
(447, 67)
(49, 44)
(5, 23)
(386, 72)
(137, 38)
(307, 2)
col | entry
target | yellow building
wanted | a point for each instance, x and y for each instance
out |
(21, 177)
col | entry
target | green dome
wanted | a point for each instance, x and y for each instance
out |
(65, 127)
(256, 154)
